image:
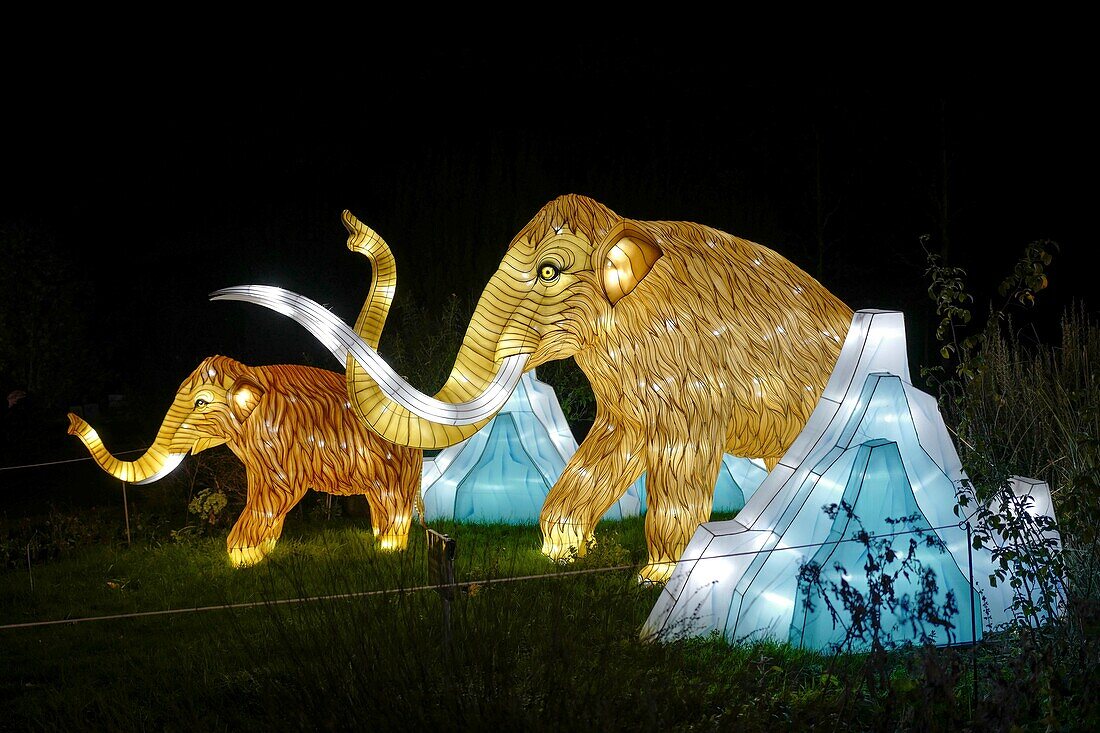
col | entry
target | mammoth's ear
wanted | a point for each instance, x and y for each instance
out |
(243, 397)
(625, 257)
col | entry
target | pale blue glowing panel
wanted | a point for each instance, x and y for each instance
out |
(505, 483)
(917, 565)
(879, 444)
(738, 479)
(503, 472)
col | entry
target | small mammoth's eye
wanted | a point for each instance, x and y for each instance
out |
(200, 402)
(549, 272)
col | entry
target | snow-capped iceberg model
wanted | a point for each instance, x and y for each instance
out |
(502, 473)
(868, 490)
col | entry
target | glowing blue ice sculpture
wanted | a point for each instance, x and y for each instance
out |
(738, 479)
(875, 448)
(503, 472)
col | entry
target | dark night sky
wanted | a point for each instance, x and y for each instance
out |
(163, 180)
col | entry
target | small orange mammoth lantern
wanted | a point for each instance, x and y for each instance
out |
(294, 429)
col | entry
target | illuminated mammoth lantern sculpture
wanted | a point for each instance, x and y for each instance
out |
(695, 342)
(292, 427)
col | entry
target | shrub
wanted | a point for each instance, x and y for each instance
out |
(871, 617)
(1018, 406)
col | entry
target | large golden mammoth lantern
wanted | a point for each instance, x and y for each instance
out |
(294, 429)
(695, 342)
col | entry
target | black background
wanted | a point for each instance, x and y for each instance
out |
(162, 173)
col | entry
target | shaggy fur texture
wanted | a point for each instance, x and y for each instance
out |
(723, 345)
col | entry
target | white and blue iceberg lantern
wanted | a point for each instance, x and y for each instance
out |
(864, 499)
(503, 472)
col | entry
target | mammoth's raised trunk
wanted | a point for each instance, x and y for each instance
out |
(156, 463)
(367, 242)
(392, 407)
(486, 371)
(476, 390)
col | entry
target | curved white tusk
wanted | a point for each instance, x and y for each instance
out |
(342, 341)
(170, 464)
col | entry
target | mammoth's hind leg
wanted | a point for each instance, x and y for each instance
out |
(606, 463)
(683, 469)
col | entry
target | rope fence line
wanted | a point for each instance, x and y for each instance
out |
(306, 599)
(460, 585)
(71, 460)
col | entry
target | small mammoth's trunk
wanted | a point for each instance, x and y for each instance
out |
(156, 463)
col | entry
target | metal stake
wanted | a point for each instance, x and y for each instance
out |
(126, 511)
(973, 622)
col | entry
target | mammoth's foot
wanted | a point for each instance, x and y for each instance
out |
(656, 573)
(244, 557)
(392, 540)
(393, 535)
(565, 541)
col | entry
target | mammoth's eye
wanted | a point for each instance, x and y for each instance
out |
(200, 402)
(549, 272)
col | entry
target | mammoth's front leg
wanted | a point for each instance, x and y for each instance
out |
(683, 467)
(391, 503)
(607, 462)
(260, 524)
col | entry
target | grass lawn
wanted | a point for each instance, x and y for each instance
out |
(536, 654)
